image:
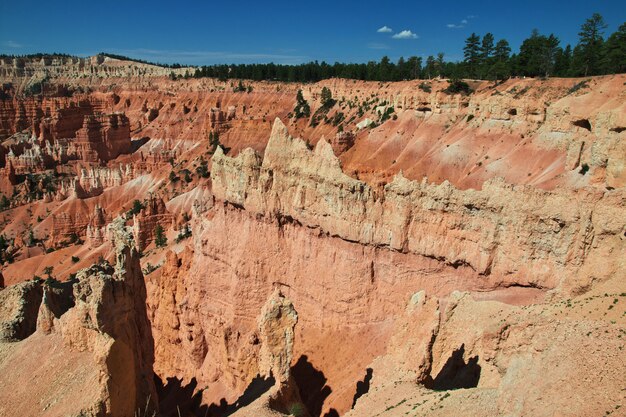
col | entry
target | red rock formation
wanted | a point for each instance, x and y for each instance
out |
(342, 142)
(99, 347)
(68, 228)
(103, 137)
(350, 257)
(144, 224)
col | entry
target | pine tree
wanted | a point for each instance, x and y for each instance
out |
(590, 44)
(302, 108)
(486, 48)
(415, 65)
(471, 53)
(439, 64)
(502, 50)
(537, 54)
(327, 97)
(160, 239)
(430, 67)
(563, 61)
(615, 52)
(549, 53)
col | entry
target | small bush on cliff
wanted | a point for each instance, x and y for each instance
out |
(297, 410)
(184, 233)
(186, 174)
(150, 268)
(136, 208)
(458, 87)
(159, 236)
(48, 271)
(214, 141)
(202, 170)
(302, 108)
(5, 255)
(240, 88)
(35, 88)
(75, 259)
(425, 87)
(327, 98)
(386, 114)
(4, 203)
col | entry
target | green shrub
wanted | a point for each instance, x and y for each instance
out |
(425, 87)
(136, 208)
(302, 108)
(458, 87)
(578, 86)
(160, 240)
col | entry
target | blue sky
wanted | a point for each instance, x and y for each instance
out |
(206, 32)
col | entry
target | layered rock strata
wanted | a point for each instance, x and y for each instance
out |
(350, 257)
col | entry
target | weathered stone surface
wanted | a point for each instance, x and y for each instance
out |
(481, 230)
(104, 333)
(18, 310)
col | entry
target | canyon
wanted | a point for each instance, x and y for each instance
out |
(175, 246)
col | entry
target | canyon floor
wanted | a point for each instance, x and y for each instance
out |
(174, 246)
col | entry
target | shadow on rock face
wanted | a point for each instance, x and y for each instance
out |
(362, 387)
(332, 413)
(138, 143)
(457, 374)
(176, 398)
(312, 386)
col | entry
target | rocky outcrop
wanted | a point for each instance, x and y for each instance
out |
(94, 180)
(103, 137)
(144, 224)
(490, 358)
(102, 329)
(350, 256)
(68, 228)
(342, 142)
(18, 310)
(98, 66)
(479, 230)
(277, 324)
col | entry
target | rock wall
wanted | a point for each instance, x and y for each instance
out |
(103, 137)
(533, 237)
(350, 257)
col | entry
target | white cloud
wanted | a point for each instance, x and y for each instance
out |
(12, 44)
(385, 29)
(462, 24)
(405, 34)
